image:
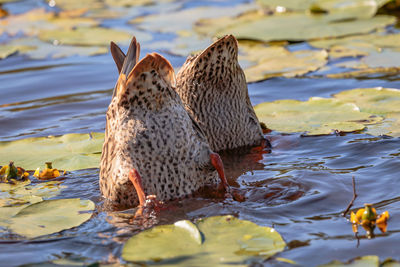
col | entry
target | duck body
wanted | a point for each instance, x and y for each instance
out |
(213, 88)
(149, 130)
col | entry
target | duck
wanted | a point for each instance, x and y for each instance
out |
(213, 88)
(153, 149)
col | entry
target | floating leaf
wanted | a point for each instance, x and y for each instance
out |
(300, 5)
(36, 20)
(377, 100)
(380, 101)
(390, 126)
(359, 45)
(8, 50)
(67, 152)
(85, 36)
(278, 27)
(50, 216)
(15, 197)
(356, 8)
(226, 240)
(42, 50)
(184, 19)
(316, 116)
(274, 61)
(365, 261)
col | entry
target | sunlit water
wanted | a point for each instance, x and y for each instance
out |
(301, 187)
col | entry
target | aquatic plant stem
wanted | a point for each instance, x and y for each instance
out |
(352, 201)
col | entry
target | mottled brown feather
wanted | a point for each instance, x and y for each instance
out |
(213, 88)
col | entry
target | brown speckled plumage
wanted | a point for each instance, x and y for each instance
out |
(213, 88)
(148, 129)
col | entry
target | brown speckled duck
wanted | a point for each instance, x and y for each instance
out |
(152, 146)
(213, 88)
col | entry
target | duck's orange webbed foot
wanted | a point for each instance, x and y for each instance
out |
(147, 204)
(219, 166)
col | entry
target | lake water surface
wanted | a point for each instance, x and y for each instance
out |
(301, 187)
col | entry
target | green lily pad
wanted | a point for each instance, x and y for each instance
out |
(279, 27)
(36, 20)
(76, 4)
(67, 152)
(85, 36)
(317, 116)
(360, 45)
(50, 216)
(226, 240)
(365, 261)
(24, 191)
(348, 9)
(378, 100)
(355, 7)
(389, 126)
(184, 19)
(8, 50)
(37, 49)
(299, 5)
(274, 61)
(381, 101)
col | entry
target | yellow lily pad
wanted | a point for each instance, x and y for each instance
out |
(67, 152)
(274, 61)
(278, 27)
(50, 216)
(85, 36)
(225, 240)
(317, 116)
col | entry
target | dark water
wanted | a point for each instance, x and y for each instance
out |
(300, 188)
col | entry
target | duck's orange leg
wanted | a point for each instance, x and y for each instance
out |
(219, 166)
(136, 180)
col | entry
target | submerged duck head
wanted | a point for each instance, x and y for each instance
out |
(213, 87)
(150, 136)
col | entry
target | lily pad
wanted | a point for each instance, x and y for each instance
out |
(36, 20)
(37, 49)
(381, 101)
(8, 50)
(185, 19)
(67, 152)
(24, 191)
(51, 216)
(279, 27)
(273, 61)
(317, 116)
(365, 261)
(85, 36)
(226, 240)
(359, 45)
(377, 100)
(346, 7)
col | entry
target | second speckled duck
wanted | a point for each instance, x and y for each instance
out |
(213, 88)
(152, 146)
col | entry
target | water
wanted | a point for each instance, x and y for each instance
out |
(301, 187)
